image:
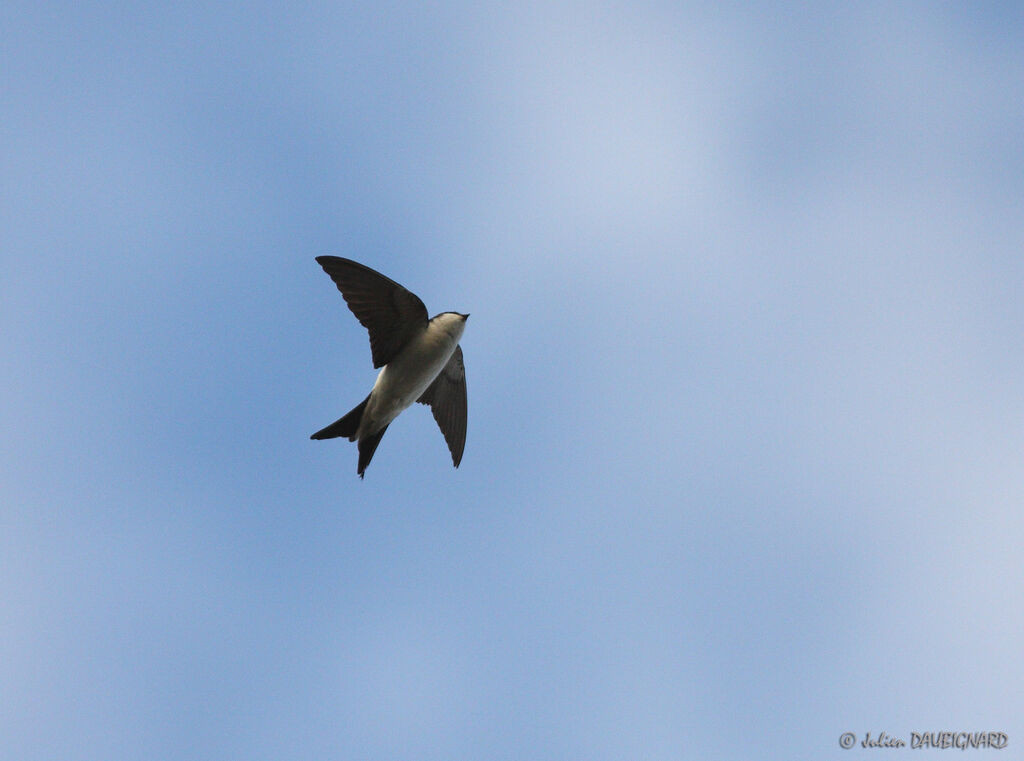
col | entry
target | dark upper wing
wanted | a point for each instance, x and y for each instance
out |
(388, 311)
(447, 399)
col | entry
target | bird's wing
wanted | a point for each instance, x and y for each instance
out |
(391, 314)
(447, 399)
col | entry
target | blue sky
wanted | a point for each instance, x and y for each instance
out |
(743, 469)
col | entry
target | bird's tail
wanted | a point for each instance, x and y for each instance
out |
(367, 446)
(346, 426)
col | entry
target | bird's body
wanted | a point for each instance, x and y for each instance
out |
(404, 379)
(420, 360)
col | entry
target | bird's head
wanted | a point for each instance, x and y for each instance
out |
(452, 323)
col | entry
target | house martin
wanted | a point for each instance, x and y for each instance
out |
(419, 359)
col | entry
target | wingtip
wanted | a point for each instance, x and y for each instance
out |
(326, 262)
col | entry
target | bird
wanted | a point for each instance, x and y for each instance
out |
(420, 360)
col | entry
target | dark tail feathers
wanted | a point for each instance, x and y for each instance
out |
(367, 446)
(346, 426)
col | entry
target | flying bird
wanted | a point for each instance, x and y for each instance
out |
(420, 360)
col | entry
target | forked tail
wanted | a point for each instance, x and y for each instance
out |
(346, 426)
